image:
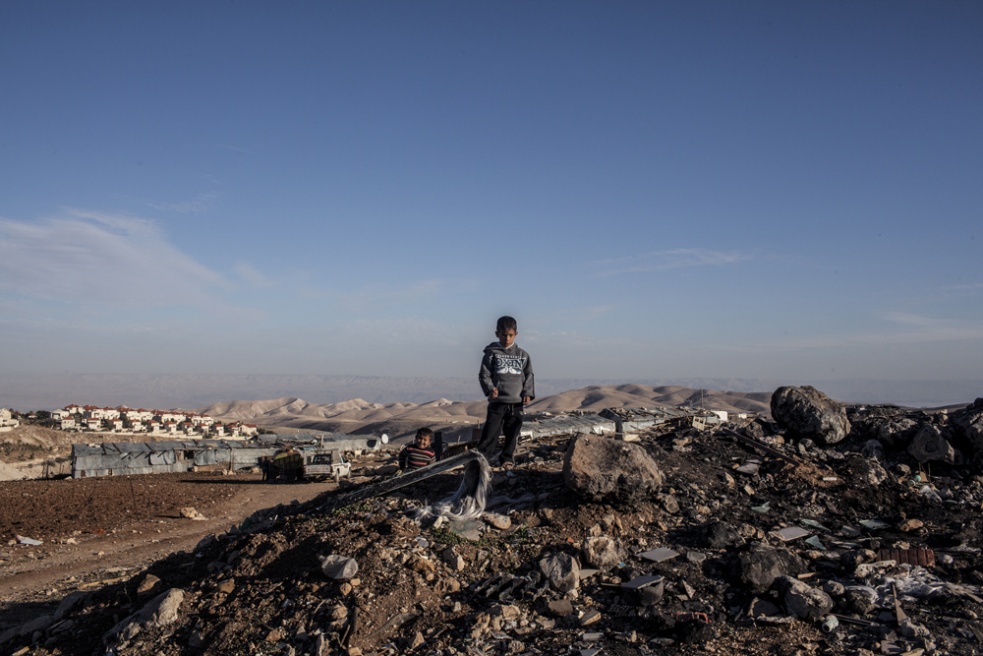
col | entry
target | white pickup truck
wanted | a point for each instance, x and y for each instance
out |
(326, 464)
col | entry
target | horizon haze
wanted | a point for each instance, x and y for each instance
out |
(25, 392)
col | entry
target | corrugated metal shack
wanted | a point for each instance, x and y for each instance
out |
(123, 458)
(533, 428)
(461, 439)
(624, 422)
(631, 421)
(574, 424)
(126, 458)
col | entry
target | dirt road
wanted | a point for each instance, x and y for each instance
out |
(95, 530)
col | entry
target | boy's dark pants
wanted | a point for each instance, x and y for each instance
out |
(501, 417)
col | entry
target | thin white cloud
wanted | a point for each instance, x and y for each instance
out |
(669, 259)
(252, 275)
(100, 259)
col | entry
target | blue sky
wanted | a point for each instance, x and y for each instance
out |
(781, 190)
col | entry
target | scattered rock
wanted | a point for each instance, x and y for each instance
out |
(802, 600)
(562, 571)
(193, 514)
(161, 611)
(338, 567)
(560, 607)
(501, 522)
(603, 553)
(453, 560)
(761, 566)
(720, 535)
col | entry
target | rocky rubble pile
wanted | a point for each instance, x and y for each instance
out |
(832, 530)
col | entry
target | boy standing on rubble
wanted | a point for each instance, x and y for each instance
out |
(507, 380)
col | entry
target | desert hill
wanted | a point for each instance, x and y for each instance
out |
(357, 415)
(283, 407)
(624, 396)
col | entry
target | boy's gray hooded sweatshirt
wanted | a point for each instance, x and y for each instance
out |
(508, 369)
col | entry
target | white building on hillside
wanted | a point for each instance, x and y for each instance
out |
(7, 421)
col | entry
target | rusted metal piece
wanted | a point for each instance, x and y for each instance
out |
(921, 556)
(684, 616)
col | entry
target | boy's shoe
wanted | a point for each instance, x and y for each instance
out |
(508, 464)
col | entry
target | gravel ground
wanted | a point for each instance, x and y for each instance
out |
(479, 587)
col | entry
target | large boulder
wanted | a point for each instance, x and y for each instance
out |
(605, 470)
(968, 423)
(807, 413)
(930, 444)
(898, 432)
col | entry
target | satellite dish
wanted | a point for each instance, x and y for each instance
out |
(384, 439)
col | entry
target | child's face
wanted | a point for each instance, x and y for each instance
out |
(423, 441)
(506, 337)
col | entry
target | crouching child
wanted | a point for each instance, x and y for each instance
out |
(420, 453)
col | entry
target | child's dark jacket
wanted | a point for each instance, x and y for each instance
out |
(508, 369)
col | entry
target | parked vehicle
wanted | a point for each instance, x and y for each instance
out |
(327, 464)
(287, 465)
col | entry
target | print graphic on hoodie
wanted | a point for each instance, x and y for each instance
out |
(508, 364)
